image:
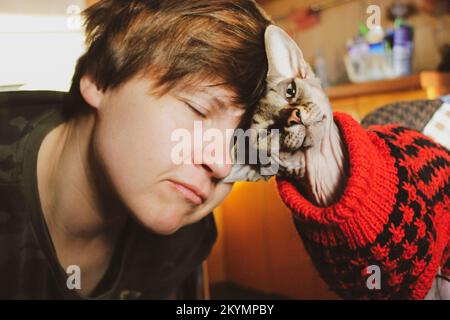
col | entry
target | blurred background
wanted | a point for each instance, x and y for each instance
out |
(40, 42)
(367, 54)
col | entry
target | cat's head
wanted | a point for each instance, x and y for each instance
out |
(294, 103)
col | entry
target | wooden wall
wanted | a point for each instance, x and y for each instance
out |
(260, 247)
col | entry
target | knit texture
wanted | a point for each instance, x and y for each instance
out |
(394, 213)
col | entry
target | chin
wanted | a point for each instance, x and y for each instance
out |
(164, 221)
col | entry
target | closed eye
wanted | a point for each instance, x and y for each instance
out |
(195, 110)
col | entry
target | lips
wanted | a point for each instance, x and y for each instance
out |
(190, 192)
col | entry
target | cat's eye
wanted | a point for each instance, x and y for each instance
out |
(291, 90)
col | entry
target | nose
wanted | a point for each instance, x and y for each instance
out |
(294, 117)
(216, 156)
(218, 170)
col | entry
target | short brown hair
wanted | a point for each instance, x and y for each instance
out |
(175, 39)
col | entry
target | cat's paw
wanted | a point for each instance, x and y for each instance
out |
(292, 172)
(292, 165)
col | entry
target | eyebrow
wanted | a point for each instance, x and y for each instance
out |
(218, 100)
(194, 88)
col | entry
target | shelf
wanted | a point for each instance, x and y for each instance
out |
(422, 81)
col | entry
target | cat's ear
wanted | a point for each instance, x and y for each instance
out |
(285, 59)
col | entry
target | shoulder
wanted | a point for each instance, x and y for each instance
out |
(20, 114)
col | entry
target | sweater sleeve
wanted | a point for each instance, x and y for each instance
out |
(369, 195)
(394, 213)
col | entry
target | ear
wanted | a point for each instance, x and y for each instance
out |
(285, 59)
(90, 92)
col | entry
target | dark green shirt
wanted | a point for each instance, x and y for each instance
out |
(144, 265)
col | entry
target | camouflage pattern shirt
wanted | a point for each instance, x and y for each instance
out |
(144, 265)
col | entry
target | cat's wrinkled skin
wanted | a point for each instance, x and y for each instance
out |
(310, 146)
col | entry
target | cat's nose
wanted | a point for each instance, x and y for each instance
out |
(294, 118)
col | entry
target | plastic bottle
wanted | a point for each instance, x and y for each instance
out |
(402, 51)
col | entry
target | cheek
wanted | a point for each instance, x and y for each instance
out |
(127, 161)
(135, 149)
(161, 214)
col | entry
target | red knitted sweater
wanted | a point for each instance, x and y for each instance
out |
(393, 213)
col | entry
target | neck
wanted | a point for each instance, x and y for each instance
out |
(73, 192)
(326, 168)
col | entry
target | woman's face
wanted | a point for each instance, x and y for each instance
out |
(134, 140)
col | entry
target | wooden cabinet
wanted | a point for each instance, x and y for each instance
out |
(360, 99)
(258, 246)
